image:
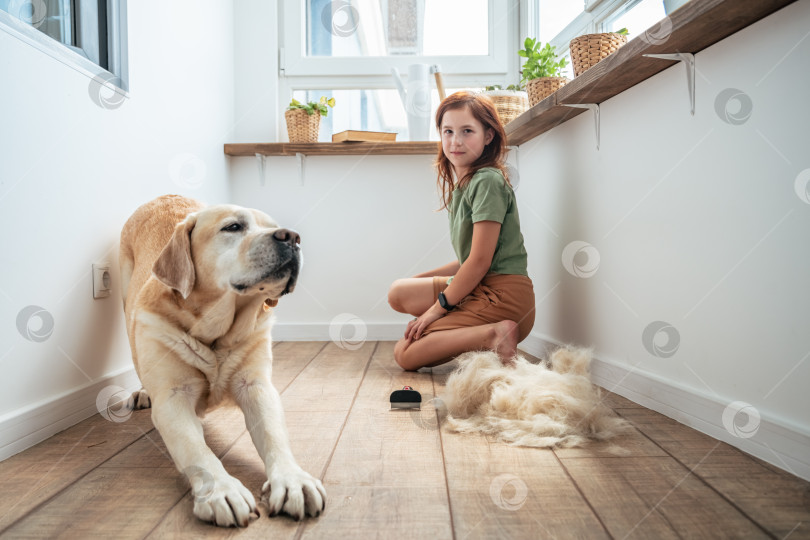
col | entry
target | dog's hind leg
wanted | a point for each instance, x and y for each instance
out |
(139, 400)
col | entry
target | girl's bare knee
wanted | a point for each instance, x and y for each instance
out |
(394, 299)
(399, 356)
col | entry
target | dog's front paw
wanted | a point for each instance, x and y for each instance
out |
(295, 492)
(222, 500)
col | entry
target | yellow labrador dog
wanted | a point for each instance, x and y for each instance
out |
(199, 284)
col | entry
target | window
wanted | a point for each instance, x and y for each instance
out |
(560, 21)
(87, 34)
(397, 28)
(347, 49)
(53, 18)
(637, 17)
(367, 110)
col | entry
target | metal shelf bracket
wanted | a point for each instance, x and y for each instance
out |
(688, 60)
(593, 107)
(260, 161)
(299, 157)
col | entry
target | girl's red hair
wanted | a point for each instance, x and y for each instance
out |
(494, 153)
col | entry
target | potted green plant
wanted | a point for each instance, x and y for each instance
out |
(542, 72)
(510, 102)
(304, 119)
(589, 49)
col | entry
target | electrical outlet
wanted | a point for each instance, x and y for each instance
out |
(102, 282)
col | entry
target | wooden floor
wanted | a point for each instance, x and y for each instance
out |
(394, 474)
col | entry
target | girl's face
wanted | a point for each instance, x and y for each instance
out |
(463, 139)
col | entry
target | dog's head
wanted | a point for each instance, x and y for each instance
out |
(230, 248)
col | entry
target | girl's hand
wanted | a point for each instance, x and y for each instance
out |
(418, 325)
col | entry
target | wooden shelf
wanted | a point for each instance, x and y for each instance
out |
(332, 149)
(696, 25)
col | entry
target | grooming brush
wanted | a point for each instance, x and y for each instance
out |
(407, 398)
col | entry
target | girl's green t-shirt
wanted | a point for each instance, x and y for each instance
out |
(487, 197)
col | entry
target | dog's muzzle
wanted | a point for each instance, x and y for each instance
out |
(274, 257)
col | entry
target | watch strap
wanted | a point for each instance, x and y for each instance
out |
(444, 303)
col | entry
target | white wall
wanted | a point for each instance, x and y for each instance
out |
(364, 222)
(696, 223)
(71, 173)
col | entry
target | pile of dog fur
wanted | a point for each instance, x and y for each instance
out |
(529, 404)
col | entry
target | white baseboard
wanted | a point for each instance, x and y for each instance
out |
(321, 331)
(33, 424)
(782, 445)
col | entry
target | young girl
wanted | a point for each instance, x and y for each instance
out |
(485, 299)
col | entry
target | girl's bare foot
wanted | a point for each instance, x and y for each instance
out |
(504, 341)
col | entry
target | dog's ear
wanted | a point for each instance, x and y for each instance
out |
(174, 266)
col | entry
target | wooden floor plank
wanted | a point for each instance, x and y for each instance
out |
(656, 497)
(106, 503)
(615, 401)
(290, 358)
(385, 477)
(630, 444)
(778, 501)
(142, 472)
(330, 380)
(314, 417)
(28, 480)
(37, 474)
(393, 473)
(502, 491)
(221, 428)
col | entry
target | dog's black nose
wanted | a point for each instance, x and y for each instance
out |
(286, 235)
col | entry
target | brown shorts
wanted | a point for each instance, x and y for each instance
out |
(497, 298)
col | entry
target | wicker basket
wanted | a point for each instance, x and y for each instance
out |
(509, 103)
(540, 88)
(589, 49)
(302, 127)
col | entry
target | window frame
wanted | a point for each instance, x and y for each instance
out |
(297, 71)
(595, 16)
(294, 62)
(87, 59)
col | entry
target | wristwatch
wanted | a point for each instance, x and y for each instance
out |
(444, 303)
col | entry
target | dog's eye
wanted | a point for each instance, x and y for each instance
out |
(233, 227)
